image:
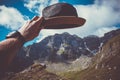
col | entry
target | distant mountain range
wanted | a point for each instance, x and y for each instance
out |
(69, 53)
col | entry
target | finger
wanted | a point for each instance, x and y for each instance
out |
(34, 18)
(40, 21)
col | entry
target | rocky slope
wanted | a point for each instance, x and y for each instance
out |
(105, 66)
(34, 72)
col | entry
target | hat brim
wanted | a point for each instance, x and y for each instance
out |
(63, 22)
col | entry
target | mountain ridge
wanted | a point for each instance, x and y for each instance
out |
(61, 48)
(67, 50)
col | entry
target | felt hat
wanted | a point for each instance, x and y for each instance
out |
(61, 16)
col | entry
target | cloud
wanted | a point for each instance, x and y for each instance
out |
(111, 3)
(11, 18)
(101, 17)
(36, 6)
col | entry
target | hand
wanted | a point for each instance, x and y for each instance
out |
(32, 28)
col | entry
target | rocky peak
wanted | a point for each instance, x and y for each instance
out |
(110, 35)
(59, 46)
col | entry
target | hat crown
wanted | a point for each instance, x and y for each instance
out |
(59, 9)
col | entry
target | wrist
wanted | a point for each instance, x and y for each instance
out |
(17, 35)
(24, 34)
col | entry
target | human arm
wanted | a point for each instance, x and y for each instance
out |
(10, 46)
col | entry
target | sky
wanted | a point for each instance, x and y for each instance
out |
(101, 16)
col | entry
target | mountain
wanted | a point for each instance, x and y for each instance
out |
(59, 47)
(67, 47)
(68, 54)
(63, 47)
(105, 65)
